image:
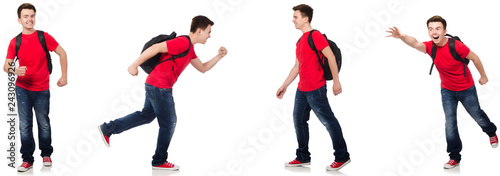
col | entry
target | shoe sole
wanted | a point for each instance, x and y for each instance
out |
(297, 165)
(47, 164)
(24, 170)
(451, 167)
(329, 168)
(494, 145)
(102, 136)
(167, 169)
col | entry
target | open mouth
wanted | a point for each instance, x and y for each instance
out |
(435, 37)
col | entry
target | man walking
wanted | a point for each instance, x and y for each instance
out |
(32, 84)
(159, 101)
(312, 91)
(457, 84)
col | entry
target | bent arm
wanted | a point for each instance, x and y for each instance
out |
(204, 67)
(63, 59)
(147, 54)
(479, 66)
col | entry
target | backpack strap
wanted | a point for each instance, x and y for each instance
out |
(433, 56)
(456, 56)
(41, 38)
(18, 44)
(310, 40)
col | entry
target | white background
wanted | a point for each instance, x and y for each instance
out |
(229, 120)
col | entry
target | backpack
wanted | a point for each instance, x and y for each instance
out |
(149, 65)
(327, 73)
(41, 38)
(453, 51)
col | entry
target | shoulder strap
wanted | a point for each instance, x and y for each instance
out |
(310, 40)
(453, 51)
(18, 44)
(41, 38)
(433, 56)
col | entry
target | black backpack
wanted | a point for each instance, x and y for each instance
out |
(151, 63)
(41, 38)
(453, 51)
(327, 73)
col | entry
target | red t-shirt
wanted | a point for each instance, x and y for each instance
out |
(450, 70)
(163, 76)
(310, 71)
(32, 55)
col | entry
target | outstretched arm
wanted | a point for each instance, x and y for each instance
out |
(479, 66)
(293, 74)
(409, 40)
(204, 67)
(64, 66)
(147, 54)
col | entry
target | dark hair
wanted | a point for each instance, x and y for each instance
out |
(305, 11)
(437, 18)
(25, 6)
(200, 22)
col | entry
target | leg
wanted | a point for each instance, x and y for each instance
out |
(25, 124)
(321, 107)
(41, 106)
(130, 121)
(301, 113)
(450, 103)
(470, 101)
(164, 107)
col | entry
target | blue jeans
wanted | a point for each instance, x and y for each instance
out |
(27, 101)
(469, 100)
(159, 103)
(318, 102)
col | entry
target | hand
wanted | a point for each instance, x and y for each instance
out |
(483, 80)
(132, 69)
(337, 88)
(222, 51)
(62, 81)
(396, 33)
(21, 71)
(281, 92)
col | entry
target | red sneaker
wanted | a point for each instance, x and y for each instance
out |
(335, 166)
(494, 141)
(47, 161)
(167, 166)
(296, 163)
(24, 167)
(451, 164)
(104, 137)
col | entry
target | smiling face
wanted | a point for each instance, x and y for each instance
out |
(437, 33)
(27, 19)
(298, 20)
(205, 34)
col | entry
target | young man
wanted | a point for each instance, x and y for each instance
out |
(311, 92)
(159, 100)
(32, 85)
(455, 87)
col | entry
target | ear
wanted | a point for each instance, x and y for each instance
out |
(19, 20)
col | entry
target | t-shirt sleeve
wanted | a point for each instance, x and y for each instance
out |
(51, 42)
(462, 49)
(428, 47)
(11, 51)
(319, 40)
(177, 45)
